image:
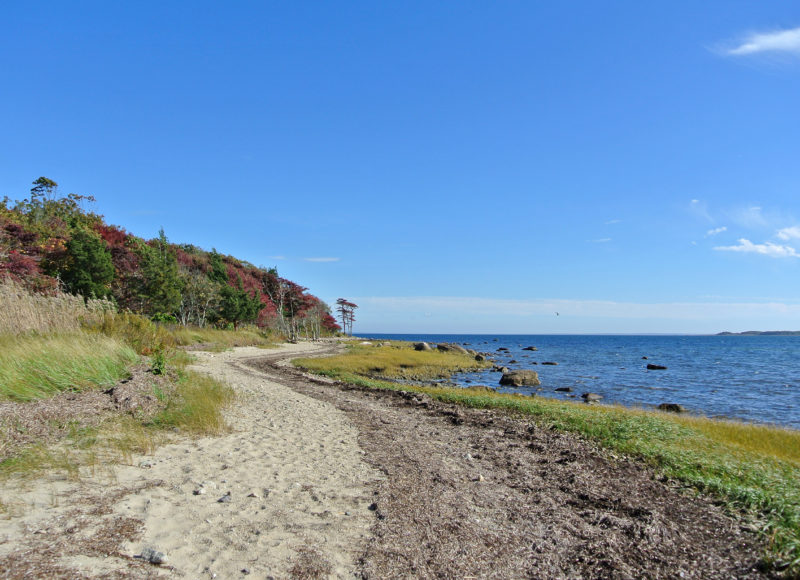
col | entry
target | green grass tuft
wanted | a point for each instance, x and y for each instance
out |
(33, 367)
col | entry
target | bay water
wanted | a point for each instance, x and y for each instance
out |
(749, 378)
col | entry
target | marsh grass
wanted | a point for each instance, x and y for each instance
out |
(33, 367)
(217, 340)
(22, 311)
(196, 406)
(754, 470)
(398, 361)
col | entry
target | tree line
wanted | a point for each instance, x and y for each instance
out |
(50, 242)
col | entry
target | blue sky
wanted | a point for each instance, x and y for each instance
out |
(451, 167)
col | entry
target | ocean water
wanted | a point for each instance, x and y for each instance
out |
(750, 378)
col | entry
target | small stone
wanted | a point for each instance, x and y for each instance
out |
(372, 507)
(153, 556)
(245, 571)
(200, 491)
(252, 494)
(480, 477)
(225, 498)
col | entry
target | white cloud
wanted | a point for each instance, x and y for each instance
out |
(612, 222)
(780, 41)
(321, 259)
(600, 241)
(766, 249)
(791, 233)
(716, 231)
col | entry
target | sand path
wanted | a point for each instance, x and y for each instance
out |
(286, 493)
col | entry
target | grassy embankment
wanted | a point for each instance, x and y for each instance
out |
(753, 469)
(56, 344)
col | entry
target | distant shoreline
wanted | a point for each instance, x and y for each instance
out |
(761, 333)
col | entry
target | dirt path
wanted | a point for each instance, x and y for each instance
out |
(328, 480)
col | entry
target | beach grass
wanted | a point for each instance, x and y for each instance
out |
(754, 470)
(217, 340)
(34, 367)
(396, 361)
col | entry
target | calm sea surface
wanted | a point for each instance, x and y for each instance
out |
(753, 378)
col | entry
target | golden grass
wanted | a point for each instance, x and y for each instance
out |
(398, 361)
(22, 311)
(217, 340)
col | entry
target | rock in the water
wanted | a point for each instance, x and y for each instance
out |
(502, 349)
(530, 348)
(448, 347)
(153, 556)
(551, 363)
(644, 358)
(513, 361)
(652, 367)
(480, 358)
(591, 397)
(564, 390)
(521, 378)
(422, 346)
(671, 408)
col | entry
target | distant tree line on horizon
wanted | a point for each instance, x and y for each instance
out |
(50, 243)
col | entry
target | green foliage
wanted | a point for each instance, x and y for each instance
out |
(218, 272)
(161, 282)
(88, 270)
(158, 361)
(237, 306)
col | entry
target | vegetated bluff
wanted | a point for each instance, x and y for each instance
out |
(47, 240)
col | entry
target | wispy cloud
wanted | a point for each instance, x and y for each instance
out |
(611, 222)
(716, 231)
(599, 241)
(777, 41)
(277, 257)
(792, 233)
(751, 217)
(766, 249)
(321, 259)
(699, 209)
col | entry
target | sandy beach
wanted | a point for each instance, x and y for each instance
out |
(286, 493)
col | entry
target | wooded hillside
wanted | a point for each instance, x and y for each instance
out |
(49, 242)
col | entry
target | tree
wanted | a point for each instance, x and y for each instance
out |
(162, 284)
(237, 306)
(346, 310)
(88, 270)
(199, 298)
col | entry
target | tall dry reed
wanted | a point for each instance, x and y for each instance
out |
(22, 311)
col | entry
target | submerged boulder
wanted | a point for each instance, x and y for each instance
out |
(591, 397)
(530, 348)
(671, 408)
(652, 367)
(520, 379)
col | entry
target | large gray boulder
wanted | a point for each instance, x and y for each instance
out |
(449, 347)
(422, 346)
(520, 379)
